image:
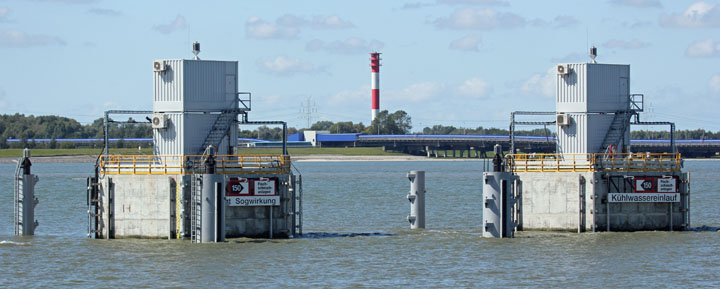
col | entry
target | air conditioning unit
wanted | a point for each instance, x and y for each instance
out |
(159, 121)
(563, 69)
(159, 66)
(562, 119)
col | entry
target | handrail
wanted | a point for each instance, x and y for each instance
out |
(192, 164)
(635, 162)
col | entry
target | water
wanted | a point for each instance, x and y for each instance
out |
(357, 236)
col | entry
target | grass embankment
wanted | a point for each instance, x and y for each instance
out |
(72, 152)
(356, 151)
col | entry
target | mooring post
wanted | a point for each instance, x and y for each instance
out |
(25, 200)
(417, 199)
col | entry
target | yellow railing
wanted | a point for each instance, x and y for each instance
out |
(192, 164)
(634, 162)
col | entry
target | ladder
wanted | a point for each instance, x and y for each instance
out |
(220, 128)
(18, 188)
(617, 130)
(93, 203)
(196, 208)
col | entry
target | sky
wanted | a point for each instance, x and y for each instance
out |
(465, 63)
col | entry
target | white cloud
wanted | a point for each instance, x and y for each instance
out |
(353, 97)
(697, 15)
(176, 24)
(69, 1)
(417, 92)
(20, 39)
(256, 27)
(286, 66)
(105, 12)
(330, 22)
(475, 2)
(3, 103)
(467, 43)
(560, 21)
(705, 48)
(635, 24)
(572, 57)
(416, 5)
(470, 18)
(542, 84)
(474, 87)
(624, 44)
(288, 26)
(3, 13)
(638, 3)
(352, 45)
(715, 83)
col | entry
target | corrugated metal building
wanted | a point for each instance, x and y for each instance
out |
(591, 94)
(192, 94)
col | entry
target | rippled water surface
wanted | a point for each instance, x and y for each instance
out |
(356, 235)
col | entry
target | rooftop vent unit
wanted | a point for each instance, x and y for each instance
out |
(562, 119)
(159, 121)
(563, 69)
(159, 66)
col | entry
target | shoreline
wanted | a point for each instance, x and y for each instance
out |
(297, 158)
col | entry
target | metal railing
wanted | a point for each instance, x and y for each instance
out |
(634, 162)
(192, 164)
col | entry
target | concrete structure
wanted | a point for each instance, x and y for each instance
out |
(594, 182)
(571, 201)
(194, 185)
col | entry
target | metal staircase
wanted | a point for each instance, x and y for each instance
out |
(196, 208)
(621, 122)
(220, 128)
(617, 130)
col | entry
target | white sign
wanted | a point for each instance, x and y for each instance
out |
(265, 188)
(644, 197)
(667, 185)
(253, 201)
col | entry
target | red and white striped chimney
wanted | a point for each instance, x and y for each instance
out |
(375, 66)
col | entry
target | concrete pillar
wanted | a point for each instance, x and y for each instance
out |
(498, 204)
(417, 199)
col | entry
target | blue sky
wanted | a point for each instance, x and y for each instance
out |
(454, 62)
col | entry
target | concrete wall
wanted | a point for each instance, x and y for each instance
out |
(553, 201)
(144, 206)
(137, 206)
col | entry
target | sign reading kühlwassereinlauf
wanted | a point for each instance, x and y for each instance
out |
(644, 197)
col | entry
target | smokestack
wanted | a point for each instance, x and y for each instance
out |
(375, 78)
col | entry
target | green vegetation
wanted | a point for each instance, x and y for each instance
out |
(73, 152)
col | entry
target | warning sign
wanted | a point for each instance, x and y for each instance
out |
(644, 185)
(667, 185)
(264, 187)
(238, 187)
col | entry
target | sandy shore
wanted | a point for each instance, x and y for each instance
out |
(298, 158)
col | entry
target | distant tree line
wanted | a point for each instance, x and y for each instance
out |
(19, 126)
